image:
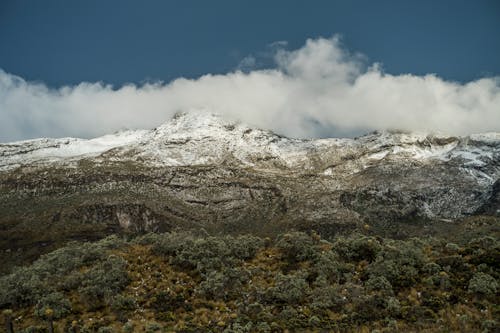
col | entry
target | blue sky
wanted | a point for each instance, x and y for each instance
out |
(64, 42)
(299, 68)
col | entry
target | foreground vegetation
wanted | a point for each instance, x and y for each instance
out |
(186, 282)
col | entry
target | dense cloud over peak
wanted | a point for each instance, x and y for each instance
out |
(316, 91)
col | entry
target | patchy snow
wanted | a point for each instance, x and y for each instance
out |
(486, 137)
(49, 150)
(201, 138)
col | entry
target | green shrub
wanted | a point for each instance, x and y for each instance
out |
(399, 262)
(205, 255)
(20, 288)
(59, 304)
(128, 327)
(483, 284)
(289, 289)
(239, 328)
(325, 296)
(153, 327)
(431, 268)
(244, 247)
(379, 284)
(224, 284)
(357, 248)
(103, 281)
(121, 305)
(296, 247)
(168, 244)
(165, 301)
(490, 326)
(326, 266)
(370, 308)
(25, 285)
(34, 329)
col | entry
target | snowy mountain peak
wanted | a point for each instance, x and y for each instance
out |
(195, 120)
(200, 138)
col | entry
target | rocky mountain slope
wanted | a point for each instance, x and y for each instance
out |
(201, 171)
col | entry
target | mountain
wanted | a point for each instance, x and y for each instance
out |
(202, 171)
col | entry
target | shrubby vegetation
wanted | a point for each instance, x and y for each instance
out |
(185, 282)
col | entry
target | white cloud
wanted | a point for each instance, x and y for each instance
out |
(317, 90)
(248, 63)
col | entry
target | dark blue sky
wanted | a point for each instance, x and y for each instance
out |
(66, 42)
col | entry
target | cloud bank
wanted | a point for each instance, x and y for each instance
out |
(318, 90)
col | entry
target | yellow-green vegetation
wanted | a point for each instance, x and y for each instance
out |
(193, 282)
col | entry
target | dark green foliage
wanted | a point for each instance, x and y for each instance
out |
(21, 288)
(168, 244)
(123, 303)
(379, 284)
(296, 246)
(26, 285)
(483, 284)
(103, 281)
(327, 266)
(289, 289)
(238, 284)
(56, 302)
(244, 247)
(153, 327)
(371, 308)
(326, 297)
(203, 254)
(34, 329)
(357, 248)
(224, 284)
(399, 262)
(165, 301)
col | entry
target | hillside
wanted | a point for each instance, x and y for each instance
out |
(295, 282)
(199, 170)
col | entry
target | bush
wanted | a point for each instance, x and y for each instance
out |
(289, 289)
(34, 329)
(399, 262)
(128, 327)
(25, 285)
(225, 284)
(205, 255)
(153, 327)
(379, 284)
(296, 247)
(103, 281)
(244, 247)
(121, 305)
(483, 284)
(167, 301)
(21, 288)
(168, 244)
(326, 266)
(59, 304)
(358, 248)
(326, 297)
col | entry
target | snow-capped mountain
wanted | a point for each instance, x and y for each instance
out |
(191, 139)
(199, 170)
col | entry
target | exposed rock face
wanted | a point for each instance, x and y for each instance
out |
(202, 171)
